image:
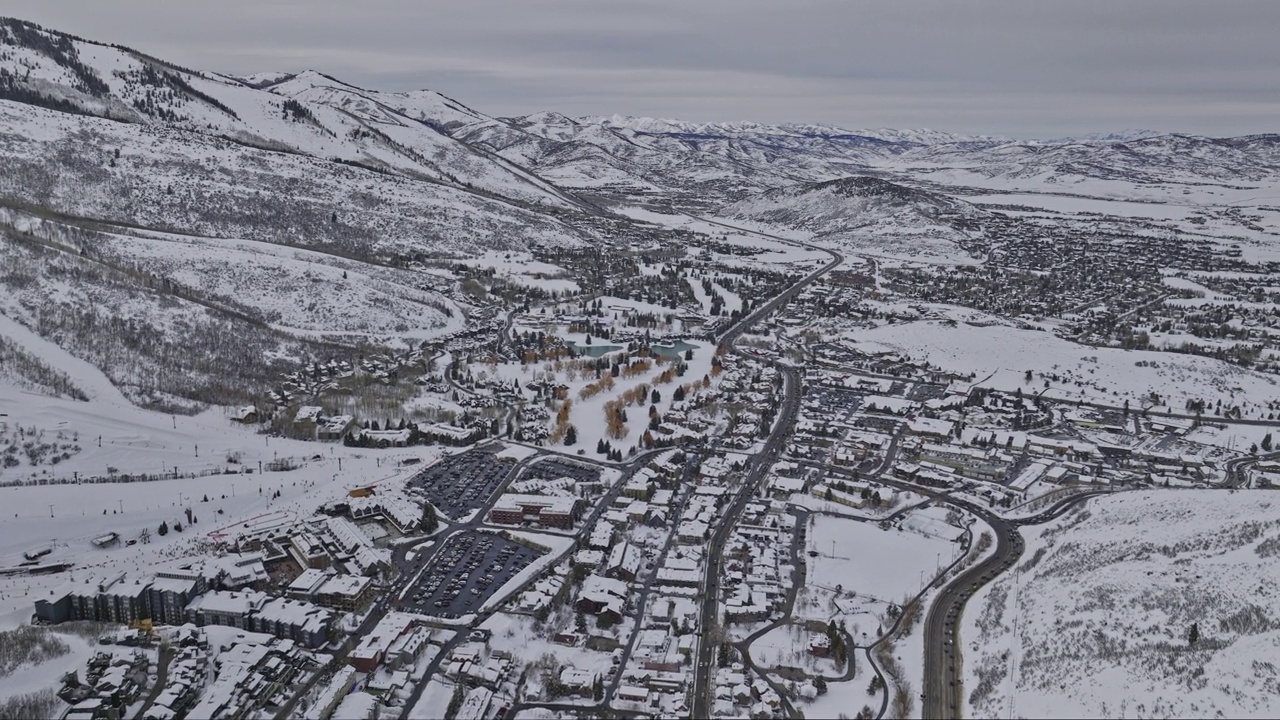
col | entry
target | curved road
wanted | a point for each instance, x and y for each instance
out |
(943, 669)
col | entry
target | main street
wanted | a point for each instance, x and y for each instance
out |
(758, 467)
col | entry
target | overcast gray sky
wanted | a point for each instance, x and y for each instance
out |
(1024, 68)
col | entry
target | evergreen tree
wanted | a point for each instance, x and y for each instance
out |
(571, 435)
(1194, 635)
(455, 703)
(430, 521)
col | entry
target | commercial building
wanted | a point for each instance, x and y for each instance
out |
(548, 510)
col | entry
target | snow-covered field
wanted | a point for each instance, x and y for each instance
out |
(1103, 375)
(1099, 618)
(884, 564)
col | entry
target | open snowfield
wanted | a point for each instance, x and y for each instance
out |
(1083, 204)
(884, 564)
(1000, 357)
(519, 268)
(1098, 619)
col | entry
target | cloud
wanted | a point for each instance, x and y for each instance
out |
(1011, 67)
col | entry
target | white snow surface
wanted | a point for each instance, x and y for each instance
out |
(1097, 619)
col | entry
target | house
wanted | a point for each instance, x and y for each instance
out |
(170, 592)
(623, 563)
(633, 693)
(578, 681)
(602, 596)
(375, 646)
(246, 415)
(348, 593)
(819, 646)
(332, 695)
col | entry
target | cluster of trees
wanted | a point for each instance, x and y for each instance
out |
(592, 389)
(877, 684)
(455, 703)
(608, 450)
(615, 418)
(13, 88)
(217, 357)
(158, 78)
(297, 112)
(177, 526)
(636, 367)
(28, 645)
(560, 431)
(31, 706)
(835, 638)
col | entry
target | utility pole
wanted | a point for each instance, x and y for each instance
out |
(51, 511)
(121, 502)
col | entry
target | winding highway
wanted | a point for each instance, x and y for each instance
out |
(943, 668)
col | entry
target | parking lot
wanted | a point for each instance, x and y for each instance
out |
(459, 484)
(556, 468)
(469, 568)
(840, 402)
(923, 392)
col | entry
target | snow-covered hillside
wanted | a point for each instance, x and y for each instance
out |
(1143, 604)
(870, 214)
(174, 115)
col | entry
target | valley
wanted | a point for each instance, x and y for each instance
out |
(322, 401)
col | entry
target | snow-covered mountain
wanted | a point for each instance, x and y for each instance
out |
(219, 146)
(193, 235)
